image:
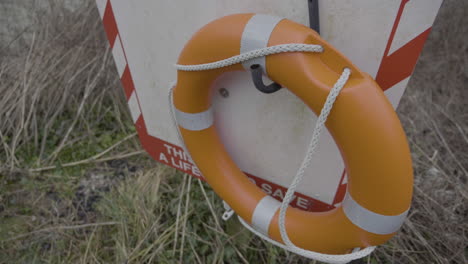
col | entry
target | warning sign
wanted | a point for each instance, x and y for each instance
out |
(383, 38)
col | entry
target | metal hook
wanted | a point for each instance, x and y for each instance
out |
(314, 15)
(257, 72)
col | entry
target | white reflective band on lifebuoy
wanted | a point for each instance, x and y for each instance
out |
(195, 122)
(256, 36)
(370, 221)
(263, 213)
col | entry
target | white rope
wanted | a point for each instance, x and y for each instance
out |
(293, 47)
(327, 107)
(311, 149)
(228, 212)
(328, 258)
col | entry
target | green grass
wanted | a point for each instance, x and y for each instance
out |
(155, 215)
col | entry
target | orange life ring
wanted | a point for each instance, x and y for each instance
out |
(363, 124)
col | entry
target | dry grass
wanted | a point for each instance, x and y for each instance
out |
(76, 188)
(57, 85)
(434, 113)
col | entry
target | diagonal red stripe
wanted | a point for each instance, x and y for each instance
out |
(400, 64)
(395, 26)
(341, 190)
(127, 82)
(110, 25)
